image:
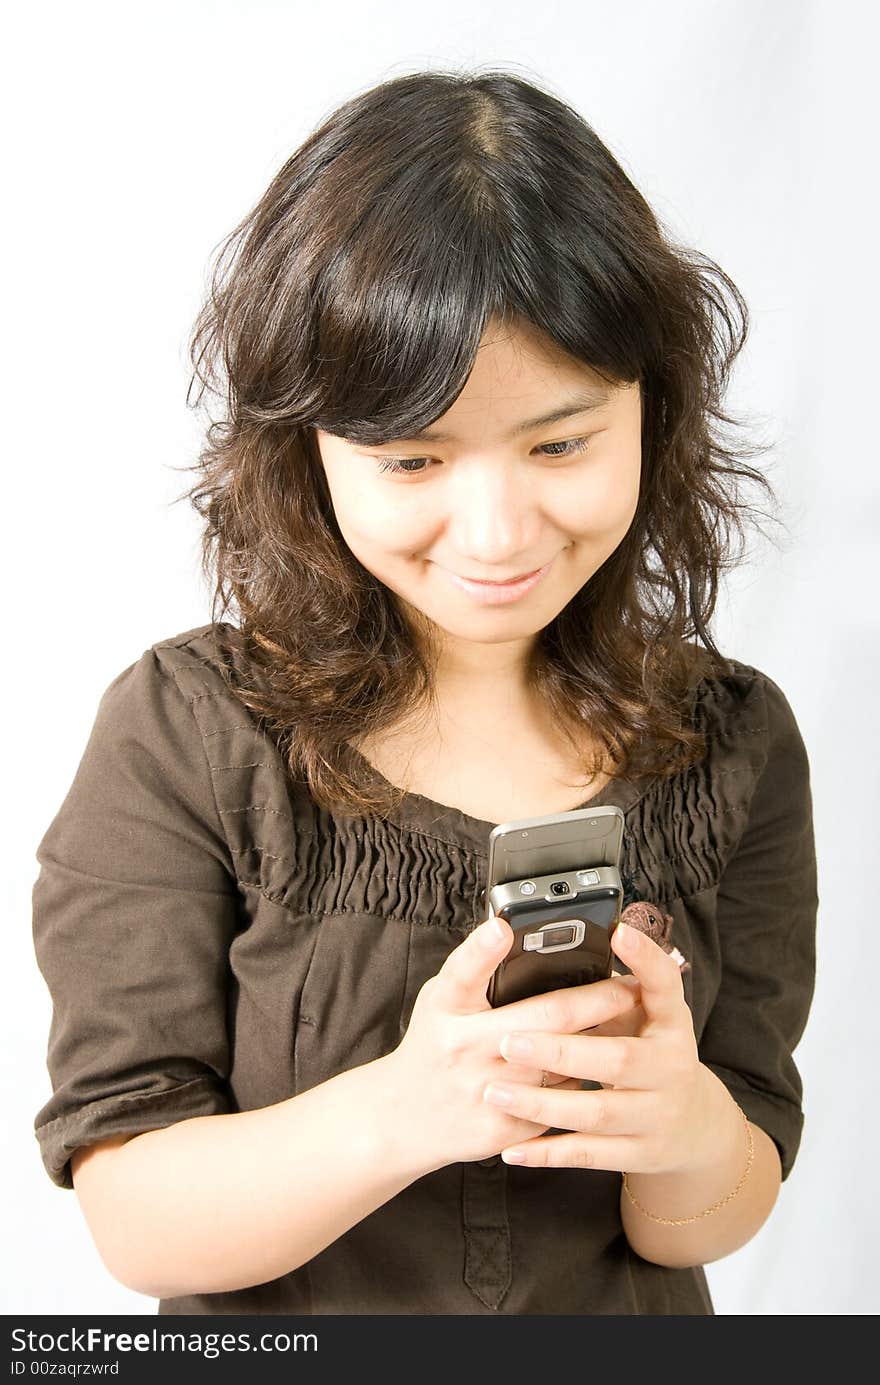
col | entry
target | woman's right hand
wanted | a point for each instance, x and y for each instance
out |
(450, 1051)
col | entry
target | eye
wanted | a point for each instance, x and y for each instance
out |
(575, 444)
(400, 464)
(406, 466)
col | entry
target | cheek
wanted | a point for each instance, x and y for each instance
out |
(377, 523)
(603, 504)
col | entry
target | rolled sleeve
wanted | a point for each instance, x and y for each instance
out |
(766, 909)
(134, 912)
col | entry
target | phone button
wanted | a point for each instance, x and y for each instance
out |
(488, 1163)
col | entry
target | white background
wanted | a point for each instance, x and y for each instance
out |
(136, 137)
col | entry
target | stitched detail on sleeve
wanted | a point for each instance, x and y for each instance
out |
(170, 673)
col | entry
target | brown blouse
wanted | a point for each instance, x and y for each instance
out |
(213, 941)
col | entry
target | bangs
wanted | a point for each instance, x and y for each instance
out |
(402, 319)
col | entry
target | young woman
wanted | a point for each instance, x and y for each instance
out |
(469, 502)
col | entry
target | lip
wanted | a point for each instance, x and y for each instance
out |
(499, 593)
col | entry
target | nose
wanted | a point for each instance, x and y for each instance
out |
(493, 518)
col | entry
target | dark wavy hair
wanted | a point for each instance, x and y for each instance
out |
(352, 298)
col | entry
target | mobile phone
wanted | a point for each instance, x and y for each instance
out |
(556, 880)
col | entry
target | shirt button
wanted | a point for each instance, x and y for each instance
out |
(490, 1162)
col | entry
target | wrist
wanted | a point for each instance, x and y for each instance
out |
(720, 1140)
(396, 1139)
(722, 1156)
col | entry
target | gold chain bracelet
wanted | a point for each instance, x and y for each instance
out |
(684, 1221)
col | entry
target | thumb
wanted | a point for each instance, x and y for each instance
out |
(461, 983)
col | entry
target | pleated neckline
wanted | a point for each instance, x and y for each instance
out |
(421, 815)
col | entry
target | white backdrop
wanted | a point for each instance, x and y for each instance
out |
(137, 136)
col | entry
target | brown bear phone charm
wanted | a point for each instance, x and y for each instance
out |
(648, 918)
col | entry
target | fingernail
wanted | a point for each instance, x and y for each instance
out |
(499, 1095)
(493, 932)
(513, 1156)
(623, 933)
(515, 1046)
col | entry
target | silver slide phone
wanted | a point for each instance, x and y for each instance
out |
(556, 881)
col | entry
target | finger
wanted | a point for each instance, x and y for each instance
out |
(590, 1113)
(621, 1061)
(658, 973)
(578, 1151)
(531, 1076)
(538, 1077)
(630, 1023)
(463, 980)
(573, 1008)
(626, 1021)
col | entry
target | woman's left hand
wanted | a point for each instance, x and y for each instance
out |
(658, 1108)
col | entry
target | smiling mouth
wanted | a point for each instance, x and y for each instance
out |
(500, 593)
(501, 581)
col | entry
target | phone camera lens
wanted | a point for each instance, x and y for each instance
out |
(559, 887)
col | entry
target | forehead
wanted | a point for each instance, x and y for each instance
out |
(517, 360)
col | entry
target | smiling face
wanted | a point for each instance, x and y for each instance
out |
(496, 496)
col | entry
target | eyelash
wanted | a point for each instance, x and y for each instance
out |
(395, 467)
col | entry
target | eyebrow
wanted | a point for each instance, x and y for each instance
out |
(586, 402)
